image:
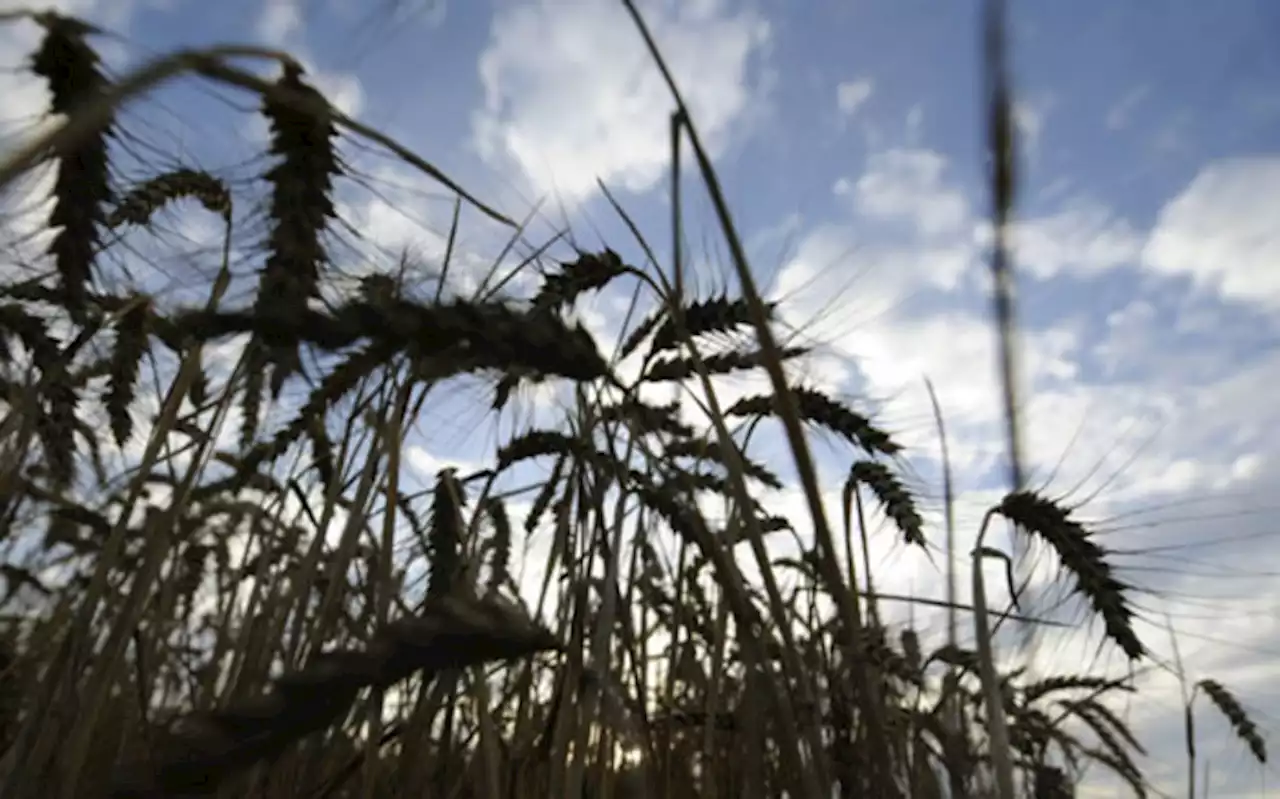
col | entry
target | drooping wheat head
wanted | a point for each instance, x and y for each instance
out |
(141, 202)
(827, 412)
(1244, 727)
(898, 503)
(1085, 559)
(450, 632)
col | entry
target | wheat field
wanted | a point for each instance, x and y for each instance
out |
(220, 580)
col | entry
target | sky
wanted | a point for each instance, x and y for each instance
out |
(848, 136)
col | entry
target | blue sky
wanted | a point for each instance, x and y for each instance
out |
(848, 136)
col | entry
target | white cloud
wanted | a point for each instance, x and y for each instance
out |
(846, 284)
(428, 465)
(914, 124)
(341, 89)
(279, 21)
(852, 94)
(1083, 237)
(1128, 329)
(571, 95)
(846, 287)
(281, 24)
(831, 261)
(956, 351)
(1121, 113)
(907, 185)
(1221, 231)
(856, 259)
(1029, 118)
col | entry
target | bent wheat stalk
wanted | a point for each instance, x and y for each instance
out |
(451, 633)
(208, 62)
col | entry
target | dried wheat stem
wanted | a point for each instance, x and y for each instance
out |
(997, 726)
(727, 569)
(101, 676)
(788, 406)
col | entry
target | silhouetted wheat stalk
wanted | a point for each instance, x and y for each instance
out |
(450, 632)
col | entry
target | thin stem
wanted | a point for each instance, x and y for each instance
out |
(788, 412)
(997, 727)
